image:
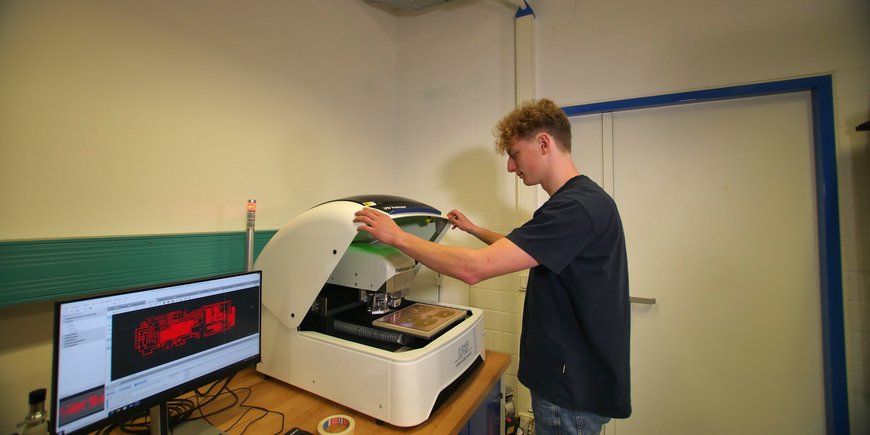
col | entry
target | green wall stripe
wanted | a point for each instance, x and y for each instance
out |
(39, 270)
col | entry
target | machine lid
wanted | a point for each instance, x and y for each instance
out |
(415, 217)
(392, 204)
(299, 259)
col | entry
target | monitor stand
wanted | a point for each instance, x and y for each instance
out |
(160, 424)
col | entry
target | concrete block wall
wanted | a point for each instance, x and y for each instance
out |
(455, 82)
(852, 91)
(456, 79)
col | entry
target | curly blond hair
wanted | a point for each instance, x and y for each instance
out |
(530, 118)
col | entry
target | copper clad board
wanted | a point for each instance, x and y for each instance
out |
(422, 320)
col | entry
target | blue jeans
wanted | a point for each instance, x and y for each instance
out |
(551, 419)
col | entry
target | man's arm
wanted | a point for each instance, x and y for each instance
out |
(466, 264)
(458, 220)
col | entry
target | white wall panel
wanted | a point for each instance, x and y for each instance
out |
(718, 204)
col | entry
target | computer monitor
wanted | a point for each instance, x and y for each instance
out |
(118, 355)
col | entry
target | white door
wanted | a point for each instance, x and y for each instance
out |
(718, 204)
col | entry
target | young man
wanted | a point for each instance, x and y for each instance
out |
(574, 348)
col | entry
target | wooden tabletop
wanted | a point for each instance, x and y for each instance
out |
(305, 410)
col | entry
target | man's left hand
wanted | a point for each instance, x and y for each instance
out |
(379, 224)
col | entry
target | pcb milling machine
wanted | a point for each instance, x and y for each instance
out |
(337, 321)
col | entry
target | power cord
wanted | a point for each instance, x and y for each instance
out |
(182, 410)
(241, 403)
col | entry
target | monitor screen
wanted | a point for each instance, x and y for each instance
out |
(117, 355)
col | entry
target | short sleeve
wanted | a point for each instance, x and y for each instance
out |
(556, 234)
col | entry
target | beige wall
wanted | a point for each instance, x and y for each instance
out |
(164, 117)
(456, 80)
(120, 118)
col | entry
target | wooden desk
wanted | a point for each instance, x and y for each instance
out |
(305, 410)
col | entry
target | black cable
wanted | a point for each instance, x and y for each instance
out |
(267, 412)
(177, 411)
(181, 410)
(220, 392)
(224, 383)
(240, 416)
(248, 409)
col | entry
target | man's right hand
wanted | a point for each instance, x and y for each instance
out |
(458, 220)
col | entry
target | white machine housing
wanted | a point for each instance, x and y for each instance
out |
(322, 248)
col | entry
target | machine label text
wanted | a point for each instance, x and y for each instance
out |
(464, 352)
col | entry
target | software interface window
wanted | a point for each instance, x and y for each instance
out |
(117, 352)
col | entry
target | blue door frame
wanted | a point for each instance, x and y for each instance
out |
(827, 204)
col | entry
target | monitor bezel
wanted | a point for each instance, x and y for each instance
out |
(170, 393)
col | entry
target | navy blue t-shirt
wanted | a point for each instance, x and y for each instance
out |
(574, 347)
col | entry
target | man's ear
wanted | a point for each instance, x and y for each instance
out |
(545, 143)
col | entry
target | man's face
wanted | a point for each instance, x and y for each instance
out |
(523, 158)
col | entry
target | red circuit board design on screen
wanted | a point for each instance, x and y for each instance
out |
(73, 408)
(177, 327)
